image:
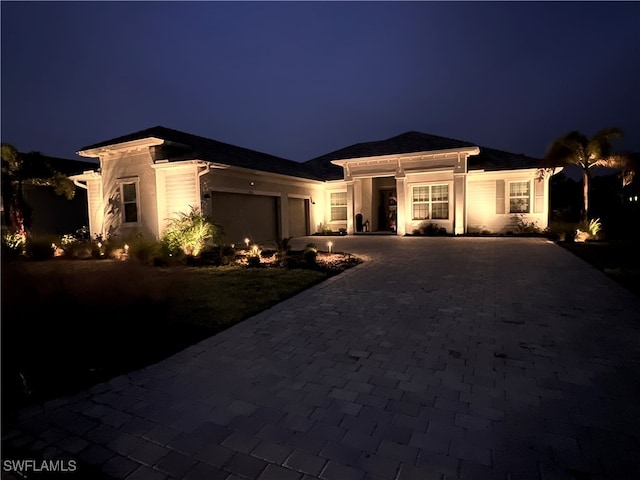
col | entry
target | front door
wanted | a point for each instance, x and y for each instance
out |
(388, 210)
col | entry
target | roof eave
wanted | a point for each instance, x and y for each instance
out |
(392, 157)
(130, 145)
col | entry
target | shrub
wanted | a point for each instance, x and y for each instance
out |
(253, 257)
(283, 250)
(324, 229)
(431, 229)
(40, 247)
(562, 231)
(218, 255)
(522, 227)
(13, 244)
(594, 227)
(147, 251)
(310, 254)
(189, 232)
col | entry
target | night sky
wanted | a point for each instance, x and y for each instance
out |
(301, 79)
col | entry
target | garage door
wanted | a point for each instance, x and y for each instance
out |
(245, 216)
(298, 218)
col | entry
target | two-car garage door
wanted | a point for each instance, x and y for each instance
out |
(245, 216)
(257, 216)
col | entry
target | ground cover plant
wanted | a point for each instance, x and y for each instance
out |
(68, 324)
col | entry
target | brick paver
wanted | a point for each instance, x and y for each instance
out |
(471, 358)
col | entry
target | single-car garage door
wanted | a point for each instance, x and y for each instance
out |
(245, 216)
(298, 217)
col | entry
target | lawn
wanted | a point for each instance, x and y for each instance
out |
(619, 259)
(68, 324)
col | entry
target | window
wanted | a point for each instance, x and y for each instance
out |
(338, 206)
(431, 202)
(519, 197)
(129, 193)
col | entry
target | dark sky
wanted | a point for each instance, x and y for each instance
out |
(301, 79)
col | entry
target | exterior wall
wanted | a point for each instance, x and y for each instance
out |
(335, 187)
(429, 178)
(129, 166)
(251, 182)
(178, 191)
(95, 202)
(488, 201)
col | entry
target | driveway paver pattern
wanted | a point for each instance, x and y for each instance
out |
(469, 358)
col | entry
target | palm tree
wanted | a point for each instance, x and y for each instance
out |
(575, 148)
(18, 170)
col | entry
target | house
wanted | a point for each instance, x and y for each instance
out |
(392, 186)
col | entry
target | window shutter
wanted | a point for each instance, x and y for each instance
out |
(538, 204)
(499, 196)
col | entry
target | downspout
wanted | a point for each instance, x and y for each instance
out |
(203, 202)
(81, 185)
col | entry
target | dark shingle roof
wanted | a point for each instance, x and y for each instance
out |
(405, 143)
(201, 148)
(319, 168)
(490, 159)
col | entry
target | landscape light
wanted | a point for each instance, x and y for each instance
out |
(246, 242)
(329, 244)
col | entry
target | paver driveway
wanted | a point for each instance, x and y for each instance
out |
(474, 358)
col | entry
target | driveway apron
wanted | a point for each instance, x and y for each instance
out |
(471, 358)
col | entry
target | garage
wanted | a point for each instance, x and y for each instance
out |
(245, 216)
(298, 217)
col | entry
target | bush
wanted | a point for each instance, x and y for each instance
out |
(188, 233)
(283, 250)
(310, 254)
(148, 252)
(13, 244)
(40, 247)
(218, 255)
(522, 227)
(431, 229)
(562, 231)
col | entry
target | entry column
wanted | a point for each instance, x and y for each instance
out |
(401, 212)
(350, 214)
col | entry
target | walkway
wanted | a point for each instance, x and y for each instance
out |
(471, 358)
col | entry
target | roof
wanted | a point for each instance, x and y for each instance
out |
(201, 148)
(319, 168)
(70, 167)
(490, 159)
(405, 143)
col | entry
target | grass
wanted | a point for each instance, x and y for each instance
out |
(619, 259)
(69, 324)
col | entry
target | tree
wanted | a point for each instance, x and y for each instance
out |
(627, 164)
(20, 170)
(575, 148)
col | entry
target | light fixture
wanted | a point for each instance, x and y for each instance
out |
(330, 246)
(246, 242)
